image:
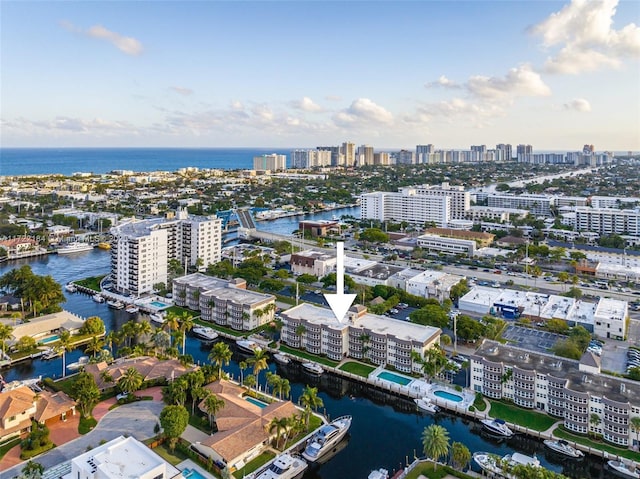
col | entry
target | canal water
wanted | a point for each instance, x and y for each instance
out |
(386, 429)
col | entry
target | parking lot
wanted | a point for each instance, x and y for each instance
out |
(531, 339)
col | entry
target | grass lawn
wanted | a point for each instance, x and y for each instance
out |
(357, 368)
(521, 417)
(91, 283)
(7, 446)
(86, 424)
(426, 469)
(479, 403)
(254, 464)
(602, 446)
(305, 355)
(172, 457)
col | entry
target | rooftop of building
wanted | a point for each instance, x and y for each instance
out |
(202, 281)
(599, 385)
(460, 233)
(378, 271)
(612, 308)
(241, 296)
(314, 254)
(355, 265)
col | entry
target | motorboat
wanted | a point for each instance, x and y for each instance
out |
(104, 245)
(50, 353)
(70, 288)
(281, 358)
(248, 346)
(313, 368)
(204, 332)
(379, 474)
(98, 298)
(623, 469)
(157, 318)
(494, 464)
(285, 466)
(75, 247)
(115, 304)
(425, 404)
(497, 426)
(133, 309)
(563, 447)
(81, 362)
(326, 437)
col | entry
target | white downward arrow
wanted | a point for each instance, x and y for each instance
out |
(340, 302)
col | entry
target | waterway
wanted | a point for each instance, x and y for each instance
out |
(386, 430)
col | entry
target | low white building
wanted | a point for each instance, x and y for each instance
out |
(380, 339)
(432, 284)
(620, 272)
(610, 318)
(312, 262)
(122, 457)
(447, 245)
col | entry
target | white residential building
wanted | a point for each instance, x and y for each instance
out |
(380, 339)
(610, 318)
(407, 206)
(121, 458)
(141, 249)
(606, 221)
(227, 303)
(312, 262)
(564, 388)
(432, 284)
(310, 158)
(618, 202)
(272, 162)
(536, 204)
(460, 200)
(447, 245)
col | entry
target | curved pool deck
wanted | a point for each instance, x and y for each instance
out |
(443, 395)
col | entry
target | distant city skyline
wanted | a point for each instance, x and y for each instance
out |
(556, 75)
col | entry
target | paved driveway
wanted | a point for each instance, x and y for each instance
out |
(136, 419)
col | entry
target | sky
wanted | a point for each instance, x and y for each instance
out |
(391, 74)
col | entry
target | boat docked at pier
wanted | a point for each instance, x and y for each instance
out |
(563, 447)
(497, 427)
(281, 358)
(285, 466)
(624, 470)
(50, 353)
(75, 247)
(157, 319)
(379, 474)
(494, 464)
(204, 332)
(425, 404)
(248, 346)
(115, 304)
(326, 437)
(81, 362)
(70, 288)
(132, 309)
(313, 368)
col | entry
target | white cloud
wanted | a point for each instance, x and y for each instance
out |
(306, 104)
(518, 82)
(578, 104)
(128, 45)
(182, 90)
(63, 125)
(363, 110)
(443, 82)
(582, 36)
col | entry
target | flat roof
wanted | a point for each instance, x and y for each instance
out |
(202, 281)
(611, 308)
(242, 296)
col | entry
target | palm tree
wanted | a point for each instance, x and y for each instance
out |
(220, 356)
(5, 333)
(460, 455)
(242, 365)
(186, 323)
(142, 329)
(594, 421)
(279, 424)
(311, 401)
(95, 346)
(130, 381)
(634, 422)
(171, 322)
(64, 343)
(435, 443)
(258, 361)
(212, 405)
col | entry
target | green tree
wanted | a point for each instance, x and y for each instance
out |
(594, 421)
(307, 278)
(5, 333)
(468, 328)
(212, 405)
(174, 420)
(634, 422)
(94, 346)
(311, 401)
(224, 269)
(220, 356)
(86, 393)
(435, 443)
(460, 455)
(32, 470)
(430, 315)
(64, 344)
(258, 362)
(130, 381)
(186, 324)
(92, 326)
(374, 235)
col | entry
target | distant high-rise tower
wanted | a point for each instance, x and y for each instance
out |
(588, 149)
(524, 153)
(506, 152)
(349, 151)
(365, 155)
(423, 152)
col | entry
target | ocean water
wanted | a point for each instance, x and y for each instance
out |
(66, 161)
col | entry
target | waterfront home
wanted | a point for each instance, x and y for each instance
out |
(18, 407)
(380, 339)
(227, 303)
(151, 369)
(21, 247)
(564, 388)
(47, 326)
(241, 425)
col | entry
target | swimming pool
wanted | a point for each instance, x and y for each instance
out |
(50, 339)
(394, 378)
(255, 402)
(448, 396)
(158, 304)
(192, 474)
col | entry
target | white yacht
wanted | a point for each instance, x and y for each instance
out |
(157, 318)
(75, 247)
(98, 298)
(326, 437)
(313, 368)
(624, 470)
(426, 405)
(285, 466)
(115, 304)
(204, 332)
(132, 309)
(248, 346)
(494, 464)
(82, 361)
(50, 353)
(70, 287)
(379, 474)
(563, 447)
(281, 358)
(497, 426)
